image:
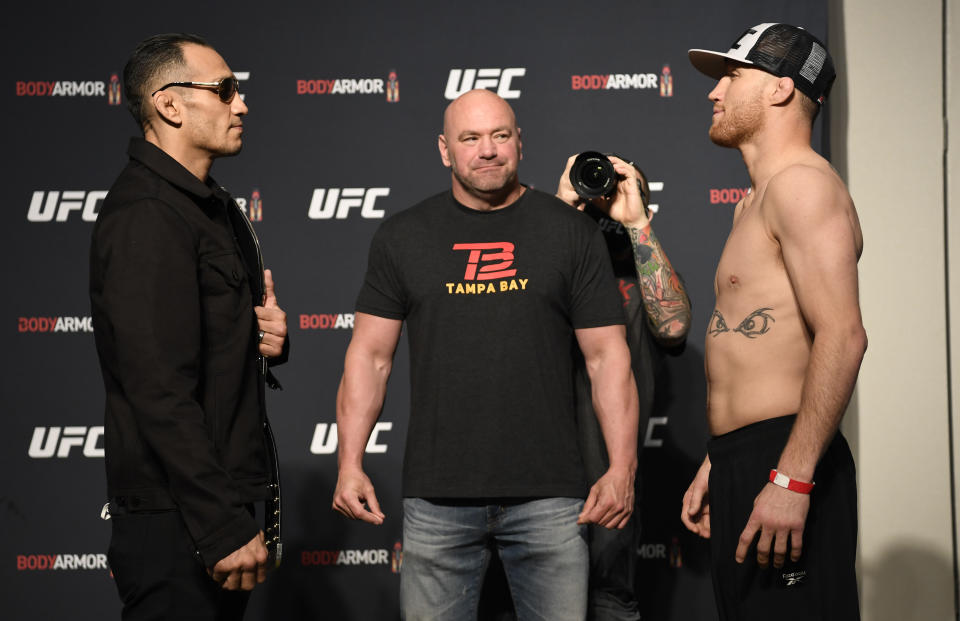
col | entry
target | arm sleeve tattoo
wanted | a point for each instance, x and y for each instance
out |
(664, 297)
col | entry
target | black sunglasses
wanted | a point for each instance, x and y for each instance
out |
(226, 88)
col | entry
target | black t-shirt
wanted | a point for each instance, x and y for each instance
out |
(491, 301)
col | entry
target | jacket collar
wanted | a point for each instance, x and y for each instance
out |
(157, 160)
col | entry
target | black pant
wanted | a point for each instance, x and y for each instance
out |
(823, 583)
(159, 575)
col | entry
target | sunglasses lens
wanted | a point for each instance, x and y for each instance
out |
(227, 89)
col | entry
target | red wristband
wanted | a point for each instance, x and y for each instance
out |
(778, 478)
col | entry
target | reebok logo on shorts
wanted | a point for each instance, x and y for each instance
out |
(795, 578)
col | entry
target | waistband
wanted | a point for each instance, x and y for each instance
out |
(771, 430)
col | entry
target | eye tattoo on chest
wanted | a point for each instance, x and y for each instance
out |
(756, 324)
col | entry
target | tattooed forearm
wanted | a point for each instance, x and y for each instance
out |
(756, 324)
(664, 297)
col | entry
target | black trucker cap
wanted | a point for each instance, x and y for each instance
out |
(781, 49)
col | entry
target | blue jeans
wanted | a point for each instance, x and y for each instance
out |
(447, 546)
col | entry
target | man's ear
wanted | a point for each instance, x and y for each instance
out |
(442, 146)
(168, 107)
(784, 89)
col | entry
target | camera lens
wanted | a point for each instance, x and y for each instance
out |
(592, 175)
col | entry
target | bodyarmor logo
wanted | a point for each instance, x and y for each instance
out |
(113, 91)
(55, 205)
(491, 271)
(652, 551)
(44, 562)
(396, 560)
(666, 82)
(341, 86)
(327, 321)
(463, 80)
(393, 87)
(325, 439)
(337, 203)
(64, 88)
(54, 324)
(727, 196)
(372, 556)
(56, 441)
(619, 81)
(253, 208)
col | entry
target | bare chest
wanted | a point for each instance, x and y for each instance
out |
(749, 256)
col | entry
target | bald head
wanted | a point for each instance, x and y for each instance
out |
(480, 144)
(471, 106)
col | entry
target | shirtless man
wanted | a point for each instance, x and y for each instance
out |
(783, 346)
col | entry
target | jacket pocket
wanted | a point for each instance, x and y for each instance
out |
(226, 302)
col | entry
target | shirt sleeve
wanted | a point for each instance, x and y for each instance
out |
(595, 301)
(382, 293)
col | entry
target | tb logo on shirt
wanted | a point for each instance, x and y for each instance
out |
(495, 257)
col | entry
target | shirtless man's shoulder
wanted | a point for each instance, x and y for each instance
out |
(808, 197)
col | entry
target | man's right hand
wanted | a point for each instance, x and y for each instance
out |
(354, 490)
(244, 568)
(695, 514)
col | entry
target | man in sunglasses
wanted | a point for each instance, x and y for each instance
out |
(187, 324)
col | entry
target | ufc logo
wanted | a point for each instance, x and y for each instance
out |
(503, 258)
(334, 202)
(79, 200)
(463, 80)
(325, 439)
(60, 443)
(650, 441)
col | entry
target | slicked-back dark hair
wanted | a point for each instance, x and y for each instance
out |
(151, 57)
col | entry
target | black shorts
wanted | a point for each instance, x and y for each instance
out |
(823, 583)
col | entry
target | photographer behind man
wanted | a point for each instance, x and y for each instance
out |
(657, 314)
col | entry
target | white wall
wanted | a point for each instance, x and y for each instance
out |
(888, 142)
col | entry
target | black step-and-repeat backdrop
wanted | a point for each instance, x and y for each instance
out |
(346, 101)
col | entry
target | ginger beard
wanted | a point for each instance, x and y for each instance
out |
(738, 122)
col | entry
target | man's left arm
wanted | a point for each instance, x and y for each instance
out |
(614, 392)
(664, 297)
(810, 213)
